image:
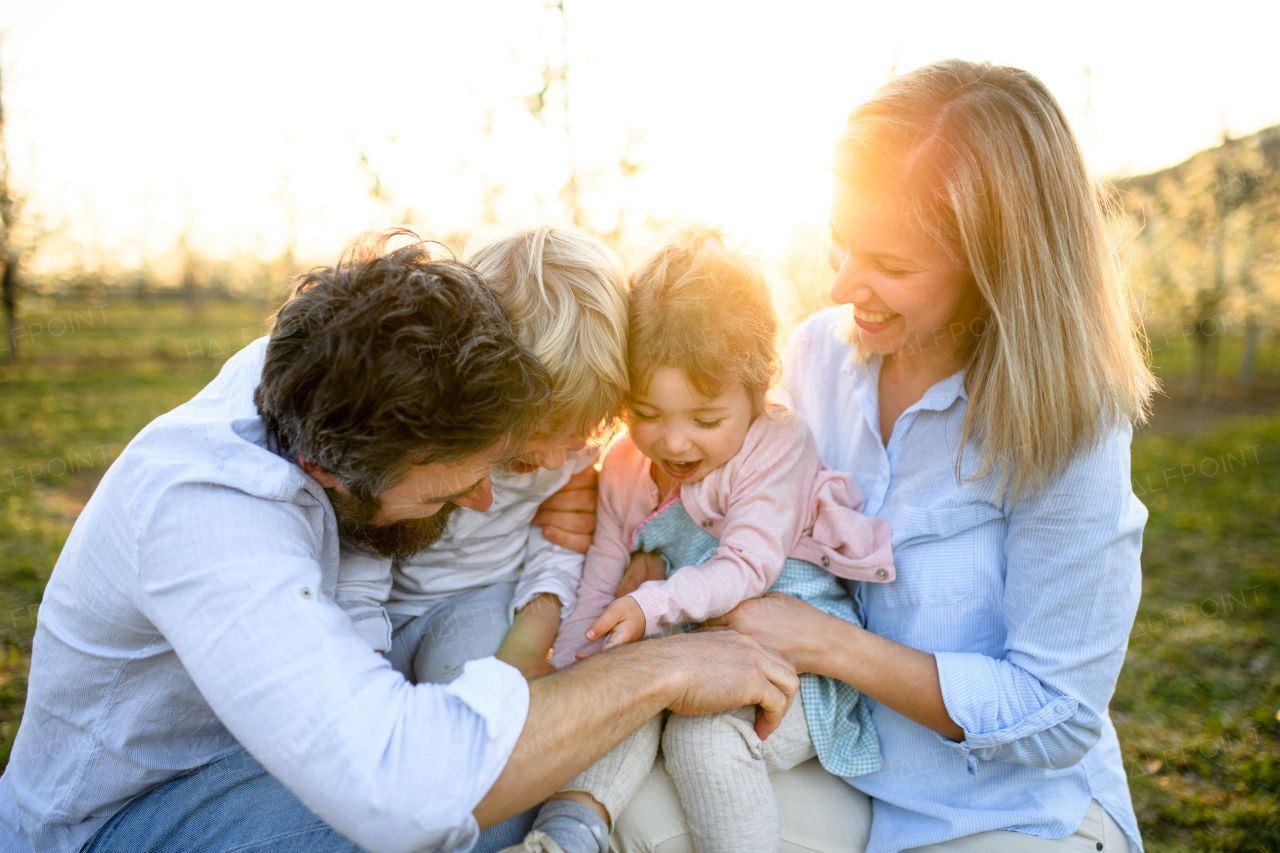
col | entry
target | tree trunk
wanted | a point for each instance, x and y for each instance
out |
(1207, 361)
(1252, 331)
(9, 296)
(191, 294)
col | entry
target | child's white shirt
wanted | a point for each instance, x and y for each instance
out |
(478, 549)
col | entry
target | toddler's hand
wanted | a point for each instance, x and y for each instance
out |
(623, 621)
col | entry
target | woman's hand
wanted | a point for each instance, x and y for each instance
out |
(623, 621)
(791, 627)
(568, 517)
(903, 678)
(645, 566)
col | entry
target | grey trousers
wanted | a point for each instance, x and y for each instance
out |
(433, 647)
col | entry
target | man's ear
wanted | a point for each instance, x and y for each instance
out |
(315, 472)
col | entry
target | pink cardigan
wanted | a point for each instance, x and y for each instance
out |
(774, 499)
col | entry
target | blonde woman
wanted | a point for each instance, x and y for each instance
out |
(978, 381)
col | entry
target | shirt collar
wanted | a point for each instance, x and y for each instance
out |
(941, 396)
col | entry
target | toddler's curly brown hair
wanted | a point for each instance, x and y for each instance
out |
(704, 308)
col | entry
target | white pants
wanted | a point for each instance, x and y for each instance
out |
(820, 813)
(1097, 832)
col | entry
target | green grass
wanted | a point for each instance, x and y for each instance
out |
(87, 379)
(1173, 348)
(1197, 702)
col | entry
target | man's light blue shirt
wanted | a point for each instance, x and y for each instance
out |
(1026, 606)
(191, 613)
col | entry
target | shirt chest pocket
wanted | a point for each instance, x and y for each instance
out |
(935, 554)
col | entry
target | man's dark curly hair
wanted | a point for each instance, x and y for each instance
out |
(388, 359)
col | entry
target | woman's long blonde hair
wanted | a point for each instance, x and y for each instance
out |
(981, 156)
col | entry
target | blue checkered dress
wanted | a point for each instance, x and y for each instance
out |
(839, 724)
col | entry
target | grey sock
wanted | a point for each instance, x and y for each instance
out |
(573, 826)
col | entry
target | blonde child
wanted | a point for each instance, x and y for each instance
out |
(492, 584)
(732, 493)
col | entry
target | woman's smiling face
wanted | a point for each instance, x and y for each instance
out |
(908, 295)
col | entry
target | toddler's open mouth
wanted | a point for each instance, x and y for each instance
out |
(680, 470)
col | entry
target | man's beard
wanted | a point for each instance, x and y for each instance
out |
(399, 540)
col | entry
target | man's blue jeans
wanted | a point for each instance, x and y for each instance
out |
(235, 805)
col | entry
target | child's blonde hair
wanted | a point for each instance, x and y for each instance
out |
(707, 310)
(566, 295)
(983, 159)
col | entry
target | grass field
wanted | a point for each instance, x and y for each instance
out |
(1198, 703)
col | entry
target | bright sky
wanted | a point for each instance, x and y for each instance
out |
(241, 123)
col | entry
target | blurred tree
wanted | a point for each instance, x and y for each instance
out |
(382, 194)
(191, 268)
(10, 253)
(1208, 245)
(580, 184)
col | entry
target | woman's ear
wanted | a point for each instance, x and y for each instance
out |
(315, 472)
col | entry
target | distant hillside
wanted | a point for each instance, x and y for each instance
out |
(1207, 231)
(1206, 248)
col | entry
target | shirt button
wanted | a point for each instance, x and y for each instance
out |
(825, 562)
(1061, 709)
(706, 523)
(882, 574)
(1099, 845)
(305, 592)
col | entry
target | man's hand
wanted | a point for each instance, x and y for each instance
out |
(645, 566)
(731, 671)
(623, 621)
(584, 710)
(568, 517)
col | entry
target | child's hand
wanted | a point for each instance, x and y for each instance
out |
(623, 621)
(527, 646)
(536, 669)
(645, 566)
(528, 661)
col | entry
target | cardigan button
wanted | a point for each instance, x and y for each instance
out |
(882, 573)
(825, 562)
(706, 523)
